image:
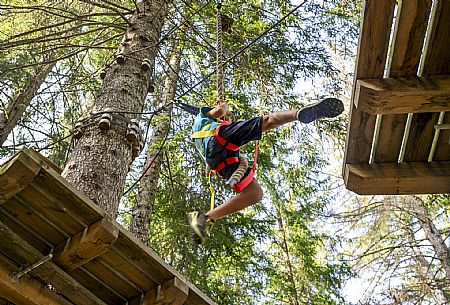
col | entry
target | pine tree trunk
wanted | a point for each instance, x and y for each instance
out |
(292, 293)
(143, 209)
(98, 164)
(423, 270)
(431, 232)
(16, 107)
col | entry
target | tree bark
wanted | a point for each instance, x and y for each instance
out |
(143, 209)
(423, 270)
(432, 233)
(98, 164)
(14, 110)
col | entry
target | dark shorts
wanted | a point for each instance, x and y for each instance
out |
(238, 133)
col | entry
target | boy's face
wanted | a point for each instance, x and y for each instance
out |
(229, 117)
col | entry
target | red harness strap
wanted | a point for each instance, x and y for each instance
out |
(222, 141)
(226, 144)
(246, 181)
(228, 161)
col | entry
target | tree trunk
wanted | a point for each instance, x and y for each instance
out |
(10, 116)
(143, 209)
(17, 106)
(293, 293)
(423, 270)
(432, 233)
(98, 164)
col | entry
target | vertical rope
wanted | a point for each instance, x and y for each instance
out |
(219, 55)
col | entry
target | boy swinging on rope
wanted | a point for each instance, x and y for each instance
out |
(220, 150)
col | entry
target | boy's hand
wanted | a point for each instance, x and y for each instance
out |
(221, 101)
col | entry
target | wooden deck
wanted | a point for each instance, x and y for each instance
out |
(398, 138)
(87, 258)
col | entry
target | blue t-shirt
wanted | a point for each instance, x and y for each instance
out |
(200, 121)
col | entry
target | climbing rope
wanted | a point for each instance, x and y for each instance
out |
(219, 54)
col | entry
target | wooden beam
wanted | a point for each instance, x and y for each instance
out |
(86, 245)
(403, 95)
(13, 246)
(376, 24)
(16, 174)
(437, 59)
(398, 179)
(409, 37)
(26, 291)
(172, 292)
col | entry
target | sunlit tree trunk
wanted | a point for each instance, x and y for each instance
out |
(423, 269)
(293, 296)
(417, 206)
(13, 112)
(98, 164)
(143, 209)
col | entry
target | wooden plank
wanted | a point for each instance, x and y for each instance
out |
(403, 95)
(113, 279)
(17, 249)
(86, 245)
(125, 266)
(27, 290)
(52, 208)
(374, 38)
(408, 41)
(172, 292)
(25, 233)
(49, 163)
(398, 179)
(16, 174)
(31, 219)
(75, 203)
(69, 198)
(371, 58)
(91, 282)
(145, 258)
(158, 270)
(410, 37)
(437, 59)
(390, 138)
(420, 137)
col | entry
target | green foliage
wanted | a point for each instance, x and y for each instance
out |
(244, 262)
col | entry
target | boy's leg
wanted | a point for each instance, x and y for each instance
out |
(275, 119)
(329, 107)
(252, 194)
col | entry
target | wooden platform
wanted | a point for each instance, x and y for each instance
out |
(398, 138)
(87, 258)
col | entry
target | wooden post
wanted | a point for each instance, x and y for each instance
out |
(172, 292)
(86, 245)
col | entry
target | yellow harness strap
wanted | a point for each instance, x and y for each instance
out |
(204, 133)
(213, 191)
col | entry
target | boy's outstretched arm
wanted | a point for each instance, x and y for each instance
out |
(219, 111)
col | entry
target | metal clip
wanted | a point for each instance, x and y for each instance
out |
(15, 276)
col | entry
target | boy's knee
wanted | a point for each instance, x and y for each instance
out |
(258, 193)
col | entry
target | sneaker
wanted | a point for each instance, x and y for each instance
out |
(200, 225)
(329, 108)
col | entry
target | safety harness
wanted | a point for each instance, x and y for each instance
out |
(204, 133)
